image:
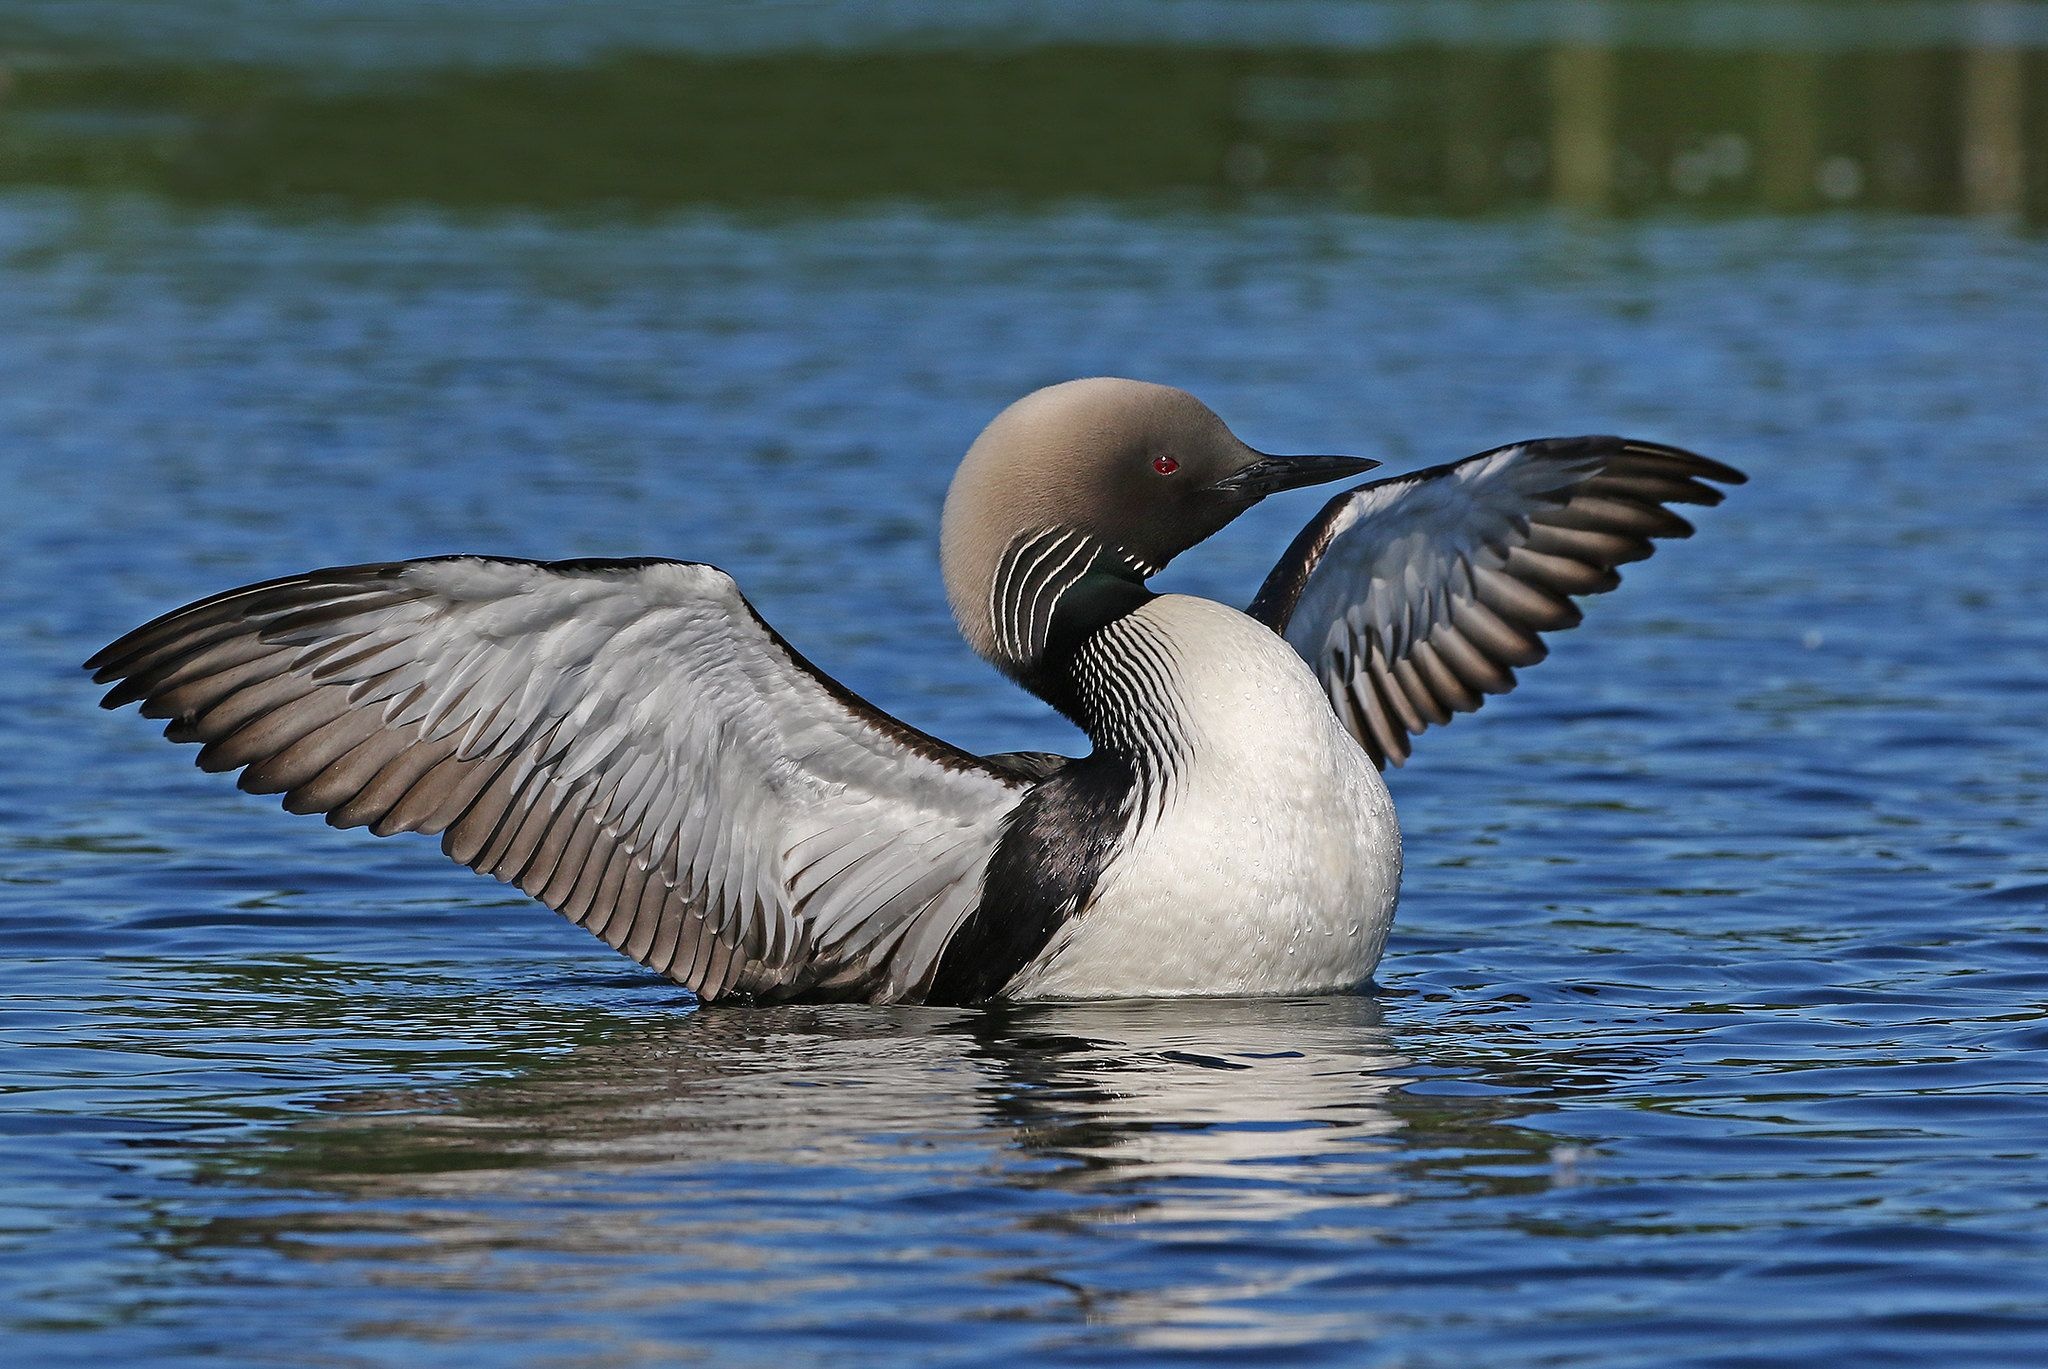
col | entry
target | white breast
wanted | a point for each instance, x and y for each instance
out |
(1266, 858)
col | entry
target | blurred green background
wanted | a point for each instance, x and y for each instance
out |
(1435, 108)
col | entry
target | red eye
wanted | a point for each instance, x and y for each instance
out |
(1165, 465)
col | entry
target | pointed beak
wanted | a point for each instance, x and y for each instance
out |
(1272, 474)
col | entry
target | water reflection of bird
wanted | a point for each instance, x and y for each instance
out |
(1227, 1099)
(628, 742)
(1162, 1170)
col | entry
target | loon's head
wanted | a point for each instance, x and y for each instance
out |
(1078, 493)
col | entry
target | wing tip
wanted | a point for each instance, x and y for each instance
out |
(1701, 467)
(114, 660)
(126, 691)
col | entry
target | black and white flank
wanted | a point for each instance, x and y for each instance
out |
(630, 744)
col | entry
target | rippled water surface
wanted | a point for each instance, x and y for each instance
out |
(1712, 1028)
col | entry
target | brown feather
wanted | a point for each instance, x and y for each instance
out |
(1495, 637)
(448, 782)
(310, 754)
(1593, 513)
(347, 775)
(521, 831)
(639, 934)
(471, 832)
(1558, 573)
(273, 731)
(1480, 674)
(1422, 704)
(1451, 692)
(578, 854)
(223, 693)
(538, 869)
(389, 784)
(1591, 547)
(1518, 601)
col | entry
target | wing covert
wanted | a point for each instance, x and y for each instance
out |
(626, 741)
(1415, 597)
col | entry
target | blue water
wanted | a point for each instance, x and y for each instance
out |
(1712, 1028)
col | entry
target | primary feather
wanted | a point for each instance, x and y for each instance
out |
(1416, 597)
(625, 741)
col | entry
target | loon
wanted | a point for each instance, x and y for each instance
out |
(629, 743)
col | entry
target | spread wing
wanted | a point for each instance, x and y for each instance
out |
(626, 741)
(1414, 598)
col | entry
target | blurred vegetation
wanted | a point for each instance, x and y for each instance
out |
(1423, 129)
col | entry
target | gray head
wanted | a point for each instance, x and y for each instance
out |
(1078, 493)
